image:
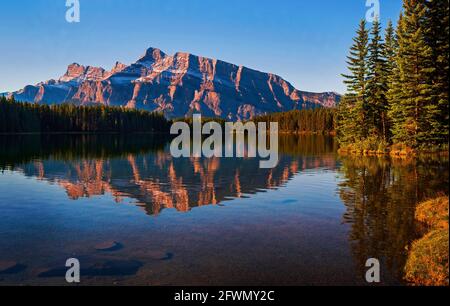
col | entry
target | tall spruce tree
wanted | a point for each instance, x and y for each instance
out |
(352, 113)
(377, 87)
(436, 37)
(390, 53)
(395, 92)
(390, 47)
(412, 92)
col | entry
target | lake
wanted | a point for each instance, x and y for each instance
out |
(133, 215)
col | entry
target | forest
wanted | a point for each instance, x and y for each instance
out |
(18, 117)
(397, 85)
(317, 121)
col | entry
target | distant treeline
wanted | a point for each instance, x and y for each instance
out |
(319, 120)
(311, 121)
(17, 117)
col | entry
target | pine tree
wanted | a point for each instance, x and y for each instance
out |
(390, 47)
(377, 87)
(436, 36)
(390, 53)
(412, 93)
(395, 92)
(398, 89)
(352, 113)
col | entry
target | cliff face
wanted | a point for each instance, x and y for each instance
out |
(178, 85)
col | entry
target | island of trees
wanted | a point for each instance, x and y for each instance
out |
(397, 98)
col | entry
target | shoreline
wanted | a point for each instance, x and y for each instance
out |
(332, 134)
(394, 153)
(427, 261)
(389, 152)
(84, 133)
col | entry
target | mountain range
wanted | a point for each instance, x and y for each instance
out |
(178, 85)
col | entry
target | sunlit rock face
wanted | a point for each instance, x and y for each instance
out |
(177, 85)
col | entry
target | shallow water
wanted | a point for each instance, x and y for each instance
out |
(313, 220)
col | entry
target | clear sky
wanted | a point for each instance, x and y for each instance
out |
(304, 41)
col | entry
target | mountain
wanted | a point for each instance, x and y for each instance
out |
(177, 85)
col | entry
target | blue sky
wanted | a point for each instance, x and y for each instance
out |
(304, 41)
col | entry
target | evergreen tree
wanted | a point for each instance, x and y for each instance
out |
(390, 53)
(395, 92)
(436, 37)
(377, 86)
(353, 108)
(390, 47)
(398, 89)
(412, 93)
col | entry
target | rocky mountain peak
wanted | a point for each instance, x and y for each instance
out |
(79, 72)
(178, 85)
(74, 70)
(118, 67)
(151, 56)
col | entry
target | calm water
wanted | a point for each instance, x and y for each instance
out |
(314, 219)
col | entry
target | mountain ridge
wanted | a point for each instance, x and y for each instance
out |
(177, 85)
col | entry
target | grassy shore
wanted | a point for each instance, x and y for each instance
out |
(427, 263)
(397, 150)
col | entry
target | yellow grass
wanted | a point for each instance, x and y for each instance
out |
(433, 213)
(427, 263)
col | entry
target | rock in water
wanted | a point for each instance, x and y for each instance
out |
(160, 255)
(109, 246)
(10, 267)
(7, 265)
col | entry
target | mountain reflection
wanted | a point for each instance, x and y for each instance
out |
(378, 194)
(141, 168)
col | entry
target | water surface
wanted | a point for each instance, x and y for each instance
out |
(313, 220)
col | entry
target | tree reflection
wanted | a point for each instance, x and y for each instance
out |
(380, 195)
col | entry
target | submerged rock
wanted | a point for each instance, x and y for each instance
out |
(109, 246)
(160, 255)
(10, 267)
